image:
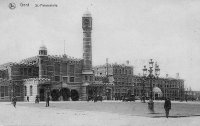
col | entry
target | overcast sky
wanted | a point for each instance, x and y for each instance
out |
(167, 31)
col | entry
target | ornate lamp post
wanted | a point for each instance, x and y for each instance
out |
(143, 83)
(150, 77)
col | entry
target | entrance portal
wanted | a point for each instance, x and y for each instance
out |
(108, 94)
(65, 92)
(74, 95)
(55, 94)
(42, 97)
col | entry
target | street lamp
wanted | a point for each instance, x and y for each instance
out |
(150, 77)
(143, 83)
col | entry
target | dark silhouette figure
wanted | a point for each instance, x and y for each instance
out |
(28, 98)
(37, 99)
(14, 101)
(167, 106)
(47, 101)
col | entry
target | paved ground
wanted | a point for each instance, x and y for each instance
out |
(97, 114)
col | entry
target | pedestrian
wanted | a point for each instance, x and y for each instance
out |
(47, 101)
(36, 99)
(27, 98)
(14, 101)
(167, 106)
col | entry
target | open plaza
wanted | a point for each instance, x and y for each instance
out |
(115, 64)
(105, 113)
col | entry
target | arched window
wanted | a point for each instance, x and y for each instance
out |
(31, 90)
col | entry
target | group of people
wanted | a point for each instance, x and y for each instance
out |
(14, 100)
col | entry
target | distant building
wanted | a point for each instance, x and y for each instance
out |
(192, 95)
(169, 87)
(119, 75)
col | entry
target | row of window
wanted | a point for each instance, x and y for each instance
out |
(65, 79)
(159, 85)
(64, 68)
(25, 71)
(121, 90)
(88, 78)
(123, 79)
(122, 71)
(122, 83)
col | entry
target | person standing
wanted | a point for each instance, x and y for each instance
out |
(167, 106)
(14, 101)
(27, 98)
(47, 101)
(38, 99)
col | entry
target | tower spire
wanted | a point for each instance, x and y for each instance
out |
(64, 47)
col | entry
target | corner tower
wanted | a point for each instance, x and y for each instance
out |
(87, 44)
(87, 72)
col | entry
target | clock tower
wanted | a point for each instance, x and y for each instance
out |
(87, 72)
(87, 45)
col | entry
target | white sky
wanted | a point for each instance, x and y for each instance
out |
(136, 30)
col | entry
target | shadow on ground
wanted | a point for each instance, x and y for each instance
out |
(174, 116)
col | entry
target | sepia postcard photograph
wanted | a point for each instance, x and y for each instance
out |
(99, 62)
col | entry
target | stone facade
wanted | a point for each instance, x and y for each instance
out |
(170, 87)
(61, 77)
(118, 74)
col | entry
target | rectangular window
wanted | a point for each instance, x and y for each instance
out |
(25, 91)
(71, 69)
(2, 91)
(86, 77)
(64, 69)
(65, 79)
(31, 90)
(71, 79)
(21, 71)
(57, 78)
(91, 78)
(6, 90)
(57, 69)
(29, 72)
(17, 90)
(25, 71)
(36, 71)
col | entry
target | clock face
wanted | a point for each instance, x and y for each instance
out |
(86, 21)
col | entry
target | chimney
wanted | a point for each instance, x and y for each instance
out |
(166, 75)
(127, 62)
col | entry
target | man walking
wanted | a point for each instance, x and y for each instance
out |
(14, 101)
(47, 101)
(167, 106)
